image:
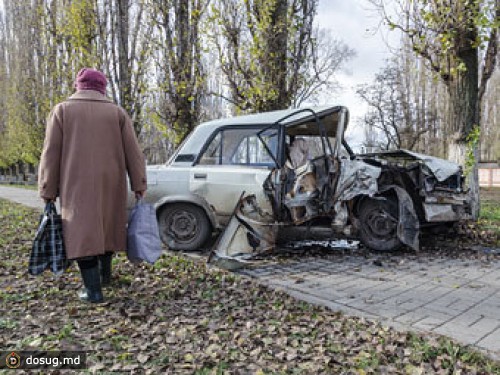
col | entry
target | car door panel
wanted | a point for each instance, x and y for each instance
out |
(222, 185)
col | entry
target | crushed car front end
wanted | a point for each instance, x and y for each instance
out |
(436, 186)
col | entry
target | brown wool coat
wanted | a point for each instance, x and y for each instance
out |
(89, 147)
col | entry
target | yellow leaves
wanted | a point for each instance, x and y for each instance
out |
(195, 13)
(256, 352)
(111, 331)
(35, 342)
(181, 333)
(413, 370)
(213, 350)
(79, 23)
(124, 356)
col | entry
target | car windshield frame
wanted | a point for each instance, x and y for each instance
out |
(280, 161)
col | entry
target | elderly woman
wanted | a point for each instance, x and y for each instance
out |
(89, 147)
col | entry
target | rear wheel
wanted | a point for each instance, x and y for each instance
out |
(184, 226)
(379, 224)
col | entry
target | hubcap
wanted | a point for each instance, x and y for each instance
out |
(182, 225)
(380, 223)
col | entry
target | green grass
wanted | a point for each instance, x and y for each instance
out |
(21, 186)
(489, 218)
(490, 211)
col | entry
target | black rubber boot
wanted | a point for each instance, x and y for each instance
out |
(92, 281)
(105, 269)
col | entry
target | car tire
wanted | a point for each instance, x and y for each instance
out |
(184, 227)
(379, 223)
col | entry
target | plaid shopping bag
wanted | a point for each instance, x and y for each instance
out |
(48, 246)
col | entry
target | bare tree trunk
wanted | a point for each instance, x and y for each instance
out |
(277, 51)
(464, 100)
(179, 60)
(183, 70)
(124, 83)
(424, 120)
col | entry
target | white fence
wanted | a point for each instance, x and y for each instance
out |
(489, 175)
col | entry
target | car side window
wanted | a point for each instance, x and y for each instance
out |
(241, 147)
(211, 155)
(252, 151)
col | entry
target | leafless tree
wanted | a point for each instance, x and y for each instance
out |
(179, 63)
(271, 55)
(391, 111)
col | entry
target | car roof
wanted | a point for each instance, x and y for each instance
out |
(289, 116)
(328, 114)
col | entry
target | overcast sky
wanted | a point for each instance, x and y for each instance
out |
(356, 23)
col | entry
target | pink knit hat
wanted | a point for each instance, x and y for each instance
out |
(91, 79)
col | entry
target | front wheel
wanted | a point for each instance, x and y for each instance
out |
(184, 226)
(379, 223)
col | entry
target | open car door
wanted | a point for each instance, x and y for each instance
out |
(297, 193)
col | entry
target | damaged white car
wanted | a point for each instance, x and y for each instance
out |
(266, 178)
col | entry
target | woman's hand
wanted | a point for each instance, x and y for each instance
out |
(140, 194)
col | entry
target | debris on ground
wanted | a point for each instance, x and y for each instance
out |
(327, 244)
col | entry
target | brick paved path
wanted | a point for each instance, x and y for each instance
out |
(452, 297)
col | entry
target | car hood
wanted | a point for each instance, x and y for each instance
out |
(441, 168)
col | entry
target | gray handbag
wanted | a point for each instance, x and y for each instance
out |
(143, 238)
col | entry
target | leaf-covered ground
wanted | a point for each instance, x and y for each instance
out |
(178, 316)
